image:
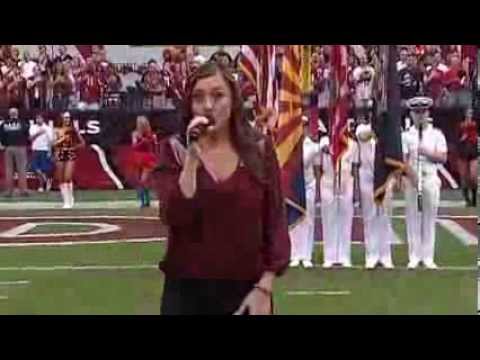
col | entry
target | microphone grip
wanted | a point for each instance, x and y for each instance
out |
(195, 133)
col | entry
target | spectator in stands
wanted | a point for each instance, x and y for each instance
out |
(62, 87)
(434, 76)
(15, 56)
(6, 51)
(29, 74)
(402, 62)
(2, 53)
(45, 68)
(90, 88)
(222, 57)
(76, 69)
(195, 63)
(14, 137)
(456, 84)
(38, 90)
(113, 86)
(410, 79)
(363, 77)
(167, 61)
(322, 85)
(43, 59)
(154, 87)
(63, 55)
(114, 81)
(352, 65)
(16, 85)
(101, 53)
(4, 101)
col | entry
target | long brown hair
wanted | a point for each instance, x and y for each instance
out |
(245, 139)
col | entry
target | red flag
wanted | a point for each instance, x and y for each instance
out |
(340, 103)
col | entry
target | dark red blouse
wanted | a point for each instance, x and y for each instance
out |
(234, 230)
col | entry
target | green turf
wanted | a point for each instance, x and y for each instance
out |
(138, 291)
(60, 229)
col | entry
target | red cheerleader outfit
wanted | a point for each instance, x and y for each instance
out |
(144, 157)
(468, 149)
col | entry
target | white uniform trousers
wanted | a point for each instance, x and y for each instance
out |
(378, 232)
(302, 235)
(337, 218)
(421, 226)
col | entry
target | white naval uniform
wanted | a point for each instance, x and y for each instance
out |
(421, 227)
(302, 235)
(337, 208)
(377, 227)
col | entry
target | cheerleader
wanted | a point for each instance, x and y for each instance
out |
(67, 141)
(144, 142)
(467, 159)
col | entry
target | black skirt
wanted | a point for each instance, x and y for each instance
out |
(203, 297)
(468, 151)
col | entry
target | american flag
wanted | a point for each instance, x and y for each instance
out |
(340, 103)
(257, 63)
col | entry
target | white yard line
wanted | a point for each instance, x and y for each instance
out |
(81, 205)
(14, 283)
(79, 268)
(459, 232)
(154, 266)
(3, 297)
(73, 243)
(133, 204)
(318, 293)
(65, 217)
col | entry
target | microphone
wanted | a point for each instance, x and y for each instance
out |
(199, 130)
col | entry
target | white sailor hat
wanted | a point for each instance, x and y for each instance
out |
(420, 103)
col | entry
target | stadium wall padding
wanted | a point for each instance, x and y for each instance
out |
(111, 131)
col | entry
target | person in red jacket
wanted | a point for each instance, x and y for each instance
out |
(220, 197)
(467, 158)
(144, 143)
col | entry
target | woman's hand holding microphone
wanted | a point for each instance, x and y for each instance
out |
(198, 128)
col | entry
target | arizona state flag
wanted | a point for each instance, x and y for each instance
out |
(388, 152)
(289, 134)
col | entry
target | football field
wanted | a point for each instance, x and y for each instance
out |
(101, 259)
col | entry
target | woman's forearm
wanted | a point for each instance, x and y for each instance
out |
(266, 281)
(188, 178)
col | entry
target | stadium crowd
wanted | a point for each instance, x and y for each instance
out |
(67, 82)
(440, 72)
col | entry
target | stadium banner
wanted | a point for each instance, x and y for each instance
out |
(103, 164)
